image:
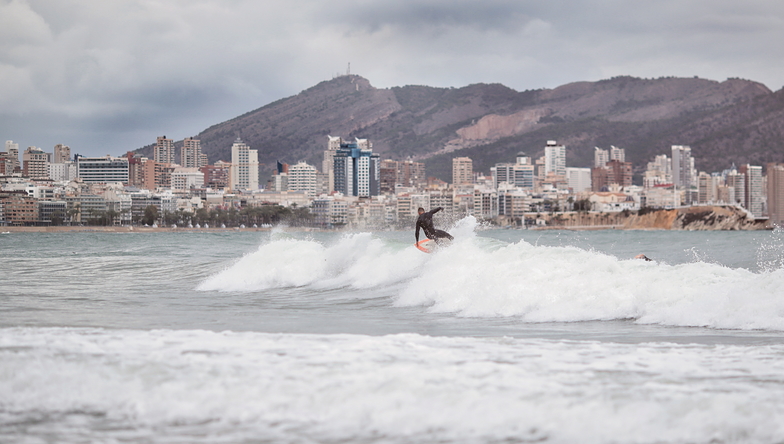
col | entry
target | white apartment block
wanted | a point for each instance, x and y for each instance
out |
(658, 172)
(578, 179)
(244, 172)
(280, 182)
(683, 174)
(755, 198)
(555, 159)
(65, 171)
(330, 211)
(485, 203)
(600, 157)
(303, 177)
(618, 154)
(708, 188)
(105, 169)
(183, 179)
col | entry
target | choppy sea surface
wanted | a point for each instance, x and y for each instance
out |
(505, 336)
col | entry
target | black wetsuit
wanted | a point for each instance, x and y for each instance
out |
(425, 221)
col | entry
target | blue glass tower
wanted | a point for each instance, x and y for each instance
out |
(356, 171)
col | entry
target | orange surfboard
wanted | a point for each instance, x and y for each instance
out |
(426, 245)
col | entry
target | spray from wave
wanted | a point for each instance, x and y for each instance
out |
(482, 277)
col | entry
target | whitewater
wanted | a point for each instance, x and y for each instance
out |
(300, 337)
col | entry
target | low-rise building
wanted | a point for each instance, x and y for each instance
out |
(19, 209)
(105, 169)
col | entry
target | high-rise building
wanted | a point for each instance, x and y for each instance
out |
(620, 172)
(578, 179)
(302, 177)
(776, 193)
(658, 172)
(105, 169)
(65, 171)
(62, 153)
(12, 150)
(190, 154)
(328, 165)
(518, 175)
(736, 182)
(334, 144)
(706, 192)
(411, 174)
(462, 171)
(244, 174)
(406, 173)
(754, 192)
(216, 176)
(135, 169)
(682, 166)
(555, 159)
(164, 150)
(6, 164)
(618, 154)
(387, 176)
(356, 169)
(600, 157)
(35, 163)
(156, 175)
(616, 172)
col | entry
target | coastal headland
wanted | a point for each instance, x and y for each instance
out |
(694, 218)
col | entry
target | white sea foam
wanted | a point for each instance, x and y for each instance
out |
(355, 261)
(481, 277)
(85, 385)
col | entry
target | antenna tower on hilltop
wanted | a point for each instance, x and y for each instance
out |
(348, 70)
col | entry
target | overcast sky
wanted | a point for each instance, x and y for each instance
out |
(107, 76)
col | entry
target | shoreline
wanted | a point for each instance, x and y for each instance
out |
(66, 229)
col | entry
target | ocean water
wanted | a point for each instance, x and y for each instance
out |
(505, 336)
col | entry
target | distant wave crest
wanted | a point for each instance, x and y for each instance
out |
(481, 277)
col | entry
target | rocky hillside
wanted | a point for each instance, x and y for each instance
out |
(696, 218)
(732, 121)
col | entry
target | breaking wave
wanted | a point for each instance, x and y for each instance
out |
(483, 277)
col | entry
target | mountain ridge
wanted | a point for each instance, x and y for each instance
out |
(735, 120)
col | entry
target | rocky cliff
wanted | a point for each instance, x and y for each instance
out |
(698, 218)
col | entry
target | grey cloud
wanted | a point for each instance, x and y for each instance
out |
(139, 68)
(421, 16)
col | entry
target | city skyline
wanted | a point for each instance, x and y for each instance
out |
(366, 190)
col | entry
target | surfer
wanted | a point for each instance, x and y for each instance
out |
(425, 221)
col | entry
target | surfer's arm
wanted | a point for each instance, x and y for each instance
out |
(416, 234)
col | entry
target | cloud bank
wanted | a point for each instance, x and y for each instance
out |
(106, 77)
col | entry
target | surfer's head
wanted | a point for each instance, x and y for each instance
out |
(420, 210)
